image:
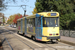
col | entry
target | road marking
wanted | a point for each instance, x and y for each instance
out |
(29, 40)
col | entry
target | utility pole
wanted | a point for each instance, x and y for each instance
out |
(24, 8)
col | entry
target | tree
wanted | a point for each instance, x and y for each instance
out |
(64, 7)
(3, 20)
(17, 17)
(4, 2)
(1, 5)
(10, 20)
(34, 11)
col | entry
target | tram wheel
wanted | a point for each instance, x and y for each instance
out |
(24, 35)
(34, 38)
(17, 32)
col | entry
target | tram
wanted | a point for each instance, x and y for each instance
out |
(42, 26)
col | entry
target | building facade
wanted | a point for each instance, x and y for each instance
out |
(1, 18)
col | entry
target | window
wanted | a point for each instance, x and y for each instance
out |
(50, 22)
(31, 22)
(38, 22)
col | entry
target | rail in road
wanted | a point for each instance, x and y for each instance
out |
(33, 45)
(8, 42)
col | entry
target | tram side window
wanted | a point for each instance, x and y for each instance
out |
(31, 22)
(19, 23)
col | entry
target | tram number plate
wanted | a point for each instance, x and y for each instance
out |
(53, 34)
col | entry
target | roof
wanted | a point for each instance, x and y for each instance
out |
(45, 14)
(21, 18)
(31, 16)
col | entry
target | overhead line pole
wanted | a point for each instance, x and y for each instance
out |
(24, 8)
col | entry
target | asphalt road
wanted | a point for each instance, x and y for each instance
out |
(13, 41)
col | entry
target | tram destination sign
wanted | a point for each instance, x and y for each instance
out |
(53, 14)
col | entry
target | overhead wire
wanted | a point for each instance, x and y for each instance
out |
(21, 6)
(17, 10)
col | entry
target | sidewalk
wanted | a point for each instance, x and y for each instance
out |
(68, 40)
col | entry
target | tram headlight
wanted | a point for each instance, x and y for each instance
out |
(57, 34)
(50, 34)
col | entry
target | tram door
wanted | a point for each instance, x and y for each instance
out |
(38, 27)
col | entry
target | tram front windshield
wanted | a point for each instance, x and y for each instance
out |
(50, 22)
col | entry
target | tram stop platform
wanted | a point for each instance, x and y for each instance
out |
(68, 40)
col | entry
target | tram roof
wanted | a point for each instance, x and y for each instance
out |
(31, 16)
(44, 14)
(21, 18)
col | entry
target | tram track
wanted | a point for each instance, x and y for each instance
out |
(5, 39)
(8, 42)
(29, 45)
(19, 40)
(11, 48)
(32, 47)
(23, 42)
(60, 46)
(48, 45)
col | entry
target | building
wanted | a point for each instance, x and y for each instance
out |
(1, 18)
(6, 19)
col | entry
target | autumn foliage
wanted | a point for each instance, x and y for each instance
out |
(13, 18)
(17, 17)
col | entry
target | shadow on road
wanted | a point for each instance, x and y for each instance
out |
(1, 43)
(48, 42)
(3, 31)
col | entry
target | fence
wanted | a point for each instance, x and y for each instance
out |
(68, 33)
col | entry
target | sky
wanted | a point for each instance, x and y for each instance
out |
(14, 10)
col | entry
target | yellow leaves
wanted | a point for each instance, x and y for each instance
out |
(11, 18)
(34, 11)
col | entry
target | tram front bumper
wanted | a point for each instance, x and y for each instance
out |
(54, 38)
